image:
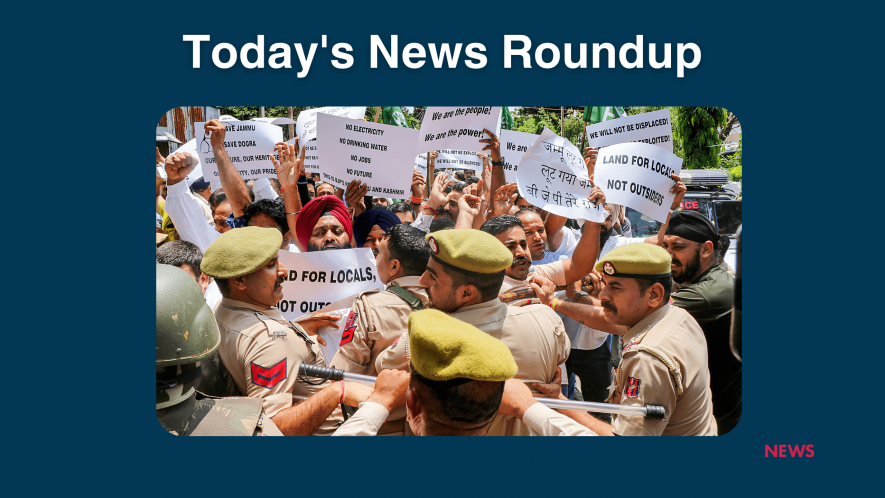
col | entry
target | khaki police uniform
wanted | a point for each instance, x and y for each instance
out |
(376, 320)
(534, 334)
(664, 362)
(262, 351)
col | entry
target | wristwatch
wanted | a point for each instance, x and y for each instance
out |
(579, 295)
(497, 163)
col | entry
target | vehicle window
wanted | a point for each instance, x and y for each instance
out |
(728, 214)
(642, 226)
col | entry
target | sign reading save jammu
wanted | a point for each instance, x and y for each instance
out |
(379, 155)
(249, 144)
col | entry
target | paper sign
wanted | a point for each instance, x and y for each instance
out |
(458, 159)
(514, 145)
(459, 128)
(306, 126)
(189, 147)
(650, 127)
(637, 175)
(249, 144)
(316, 279)
(311, 160)
(421, 163)
(276, 121)
(382, 156)
(552, 175)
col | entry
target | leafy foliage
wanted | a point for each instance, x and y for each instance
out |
(695, 129)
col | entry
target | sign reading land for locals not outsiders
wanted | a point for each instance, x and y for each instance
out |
(382, 156)
(514, 145)
(249, 144)
(552, 175)
(637, 175)
(306, 126)
(458, 128)
(318, 278)
(650, 127)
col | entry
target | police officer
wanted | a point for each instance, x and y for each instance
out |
(187, 334)
(261, 350)
(459, 379)
(463, 278)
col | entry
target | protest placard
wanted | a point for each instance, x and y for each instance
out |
(637, 175)
(382, 156)
(421, 163)
(458, 128)
(514, 145)
(311, 159)
(276, 121)
(306, 126)
(316, 279)
(552, 175)
(650, 127)
(189, 147)
(249, 144)
(458, 159)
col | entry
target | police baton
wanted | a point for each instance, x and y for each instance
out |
(648, 411)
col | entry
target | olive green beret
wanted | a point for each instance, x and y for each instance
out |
(470, 250)
(445, 348)
(241, 251)
(638, 260)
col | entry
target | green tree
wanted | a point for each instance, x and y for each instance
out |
(696, 130)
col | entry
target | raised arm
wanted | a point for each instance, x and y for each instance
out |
(231, 181)
(182, 206)
(589, 315)
(678, 189)
(587, 250)
(493, 145)
(289, 169)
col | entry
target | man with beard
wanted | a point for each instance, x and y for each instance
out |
(463, 277)
(260, 349)
(369, 228)
(707, 293)
(665, 353)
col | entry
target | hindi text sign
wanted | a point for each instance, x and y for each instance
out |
(306, 126)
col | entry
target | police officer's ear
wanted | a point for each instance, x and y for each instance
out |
(238, 283)
(204, 281)
(468, 292)
(393, 266)
(654, 295)
(707, 250)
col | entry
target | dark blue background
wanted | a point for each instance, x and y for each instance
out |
(89, 82)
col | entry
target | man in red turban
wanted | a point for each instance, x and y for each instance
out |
(323, 224)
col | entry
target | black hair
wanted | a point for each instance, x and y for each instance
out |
(722, 246)
(275, 184)
(441, 223)
(249, 189)
(459, 175)
(402, 207)
(217, 198)
(378, 206)
(500, 224)
(472, 180)
(272, 208)
(458, 186)
(310, 181)
(223, 286)
(488, 284)
(462, 404)
(667, 282)
(406, 244)
(179, 253)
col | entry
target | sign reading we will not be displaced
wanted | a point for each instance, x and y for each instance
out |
(457, 128)
(552, 175)
(650, 127)
(637, 175)
(316, 279)
(249, 144)
(380, 155)
(306, 126)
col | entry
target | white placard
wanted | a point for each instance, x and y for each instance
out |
(382, 156)
(311, 160)
(458, 159)
(276, 121)
(651, 127)
(552, 175)
(459, 128)
(306, 126)
(249, 144)
(514, 145)
(637, 175)
(421, 163)
(316, 279)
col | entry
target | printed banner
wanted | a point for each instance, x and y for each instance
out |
(311, 160)
(637, 175)
(249, 144)
(306, 126)
(382, 156)
(650, 127)
(458, 128)
(552, 175)
(316, 279)
(458, 159)
(514, 145)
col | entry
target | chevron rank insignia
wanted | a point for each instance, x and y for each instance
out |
(269, 376)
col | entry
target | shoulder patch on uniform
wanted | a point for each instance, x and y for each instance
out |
(631, 390)
(349, 328)
(269, 376)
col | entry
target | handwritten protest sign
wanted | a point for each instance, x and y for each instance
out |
(316, 279)
(421, 163)
(458, 159)
(380, 155)
(552, 176)
(306, 126)
(311, 159)
(514, 145)
(650, 127)
(458, 128)
(637, 175)
(249, 144)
